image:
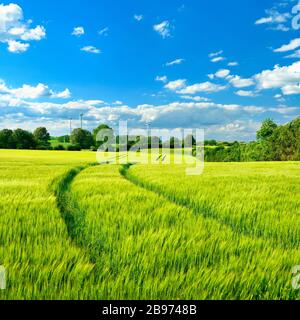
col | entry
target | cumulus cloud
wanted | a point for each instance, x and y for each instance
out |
(91, 49)
(239, 82)
(163, 29)
(176, 85)
(207, 87)
(232, 119)
(222, 73)
(78, 31)
(180, 87)
(36, 34)
(286, 78)
(290, 89)
(17, 46)
(15, 31)
(31, 92)
(245, 93)
(63, 95)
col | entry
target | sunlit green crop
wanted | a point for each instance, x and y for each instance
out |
(71, 229)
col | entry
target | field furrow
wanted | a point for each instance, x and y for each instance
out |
(146, 247)
(256, 199)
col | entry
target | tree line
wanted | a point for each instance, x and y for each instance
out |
(274, 143)
(81, 139)
(22, 139)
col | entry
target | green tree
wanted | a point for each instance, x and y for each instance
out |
(102, 134)
(23, 139)
(64, 139)
(42, 137)
(6, 139)
(267, 129)
(82, 138)
(210, 143)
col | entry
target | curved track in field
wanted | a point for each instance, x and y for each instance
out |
(205, 211)
(75, 219)
(105, 268)
(68, 207)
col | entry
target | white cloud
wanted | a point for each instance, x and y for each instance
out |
(118, 103)
(17, 47)
(233, 64)
(163, 28)
(91, 49)
(294, 55)
(244, 93)
(35, 34)
(217, 59)
(222, 73)
(15, 31)
(78, 31)
(195, 98)
(227, 120)
(275, 20)
(286, 78)
(104, 32)
(10, 16)
(174, 62)
(294, 44)
(214, 54)
(291, 89)
(161, 78)
(285, 110)
(208, 87)
(31, 92)
(239, 82)
(176, 85)
(138, 17)
(254, 109)
(63, 95)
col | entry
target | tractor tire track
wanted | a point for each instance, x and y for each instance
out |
(69, 209)
(204, 210)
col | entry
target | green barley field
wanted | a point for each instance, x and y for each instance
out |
(71, 228)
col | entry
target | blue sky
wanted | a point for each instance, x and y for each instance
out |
(223, 66)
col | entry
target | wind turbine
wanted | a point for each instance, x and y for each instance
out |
(81, 117)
